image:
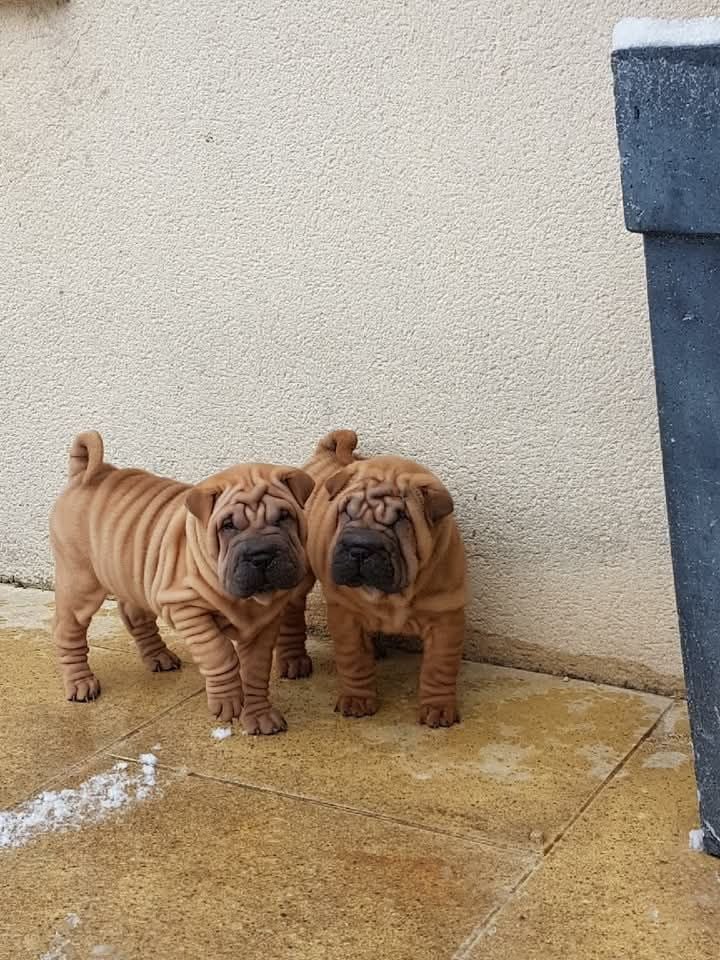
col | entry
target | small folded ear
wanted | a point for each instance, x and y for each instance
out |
(437, 502)
(336, 482)
(201, 503)
(299, 483)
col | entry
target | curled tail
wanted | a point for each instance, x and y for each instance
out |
(86, 456)
(341, 445)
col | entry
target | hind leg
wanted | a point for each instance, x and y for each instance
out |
(78, 596)
(142, 627)
(293, 661)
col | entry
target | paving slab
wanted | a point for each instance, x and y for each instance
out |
(33, 610)
(198, 868)
(622, 883)
(41, 734)
(370, 838)
(531, 749)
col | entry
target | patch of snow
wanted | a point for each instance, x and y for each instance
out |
(61, 941)
(422, 776)
(665, 760)
(93, 801)
(57, 949)
(221, 733)
(148, 759)
(648, 32)
(696, 841)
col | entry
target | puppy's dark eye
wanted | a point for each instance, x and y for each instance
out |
(400, 515)
(227, 524)
(282, 516)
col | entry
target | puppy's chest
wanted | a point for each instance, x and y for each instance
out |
(382, 617)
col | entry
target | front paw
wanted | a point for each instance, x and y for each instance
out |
(84, 690)
(356, 706)
(225, 707)
(263, 722)
(295, 668)
(439, 714)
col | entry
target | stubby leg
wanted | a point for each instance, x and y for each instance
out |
(443, 637)
(291, 654)
(78, 596)
(355, 662)
(142, 627)
(216, 658)
(256, 653)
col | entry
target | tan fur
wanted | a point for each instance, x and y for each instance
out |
(134, 536)
(432, 604)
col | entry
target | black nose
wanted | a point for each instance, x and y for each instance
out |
(259, 558)
(359, 552)
(360, 544)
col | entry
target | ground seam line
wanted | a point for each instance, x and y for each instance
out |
(587, 803)
(466, 948)
(105, 749)
(345, 808)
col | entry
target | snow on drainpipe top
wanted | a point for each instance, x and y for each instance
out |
(647, 32)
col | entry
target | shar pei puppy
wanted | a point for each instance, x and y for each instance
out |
(217, 561)
(384, 544)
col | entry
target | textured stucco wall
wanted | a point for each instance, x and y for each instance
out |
(227, 228)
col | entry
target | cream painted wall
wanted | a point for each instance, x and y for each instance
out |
(228, 227)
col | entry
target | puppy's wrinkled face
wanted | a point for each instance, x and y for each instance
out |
(259, 545)
(256, 534)
(375, 546)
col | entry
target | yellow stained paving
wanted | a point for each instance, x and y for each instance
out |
(207, 869)
(41, 734)
(622, 883)
(530, 750)
(370, 838)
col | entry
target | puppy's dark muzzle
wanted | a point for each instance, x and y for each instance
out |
(366, 558)
(261, 565)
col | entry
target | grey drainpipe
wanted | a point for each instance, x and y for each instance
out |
(667, 102)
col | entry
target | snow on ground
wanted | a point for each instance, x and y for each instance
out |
(696, 841)
(71, 809)
(221, 733)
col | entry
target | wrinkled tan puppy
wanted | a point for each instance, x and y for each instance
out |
(218, 561)
(384, 544)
